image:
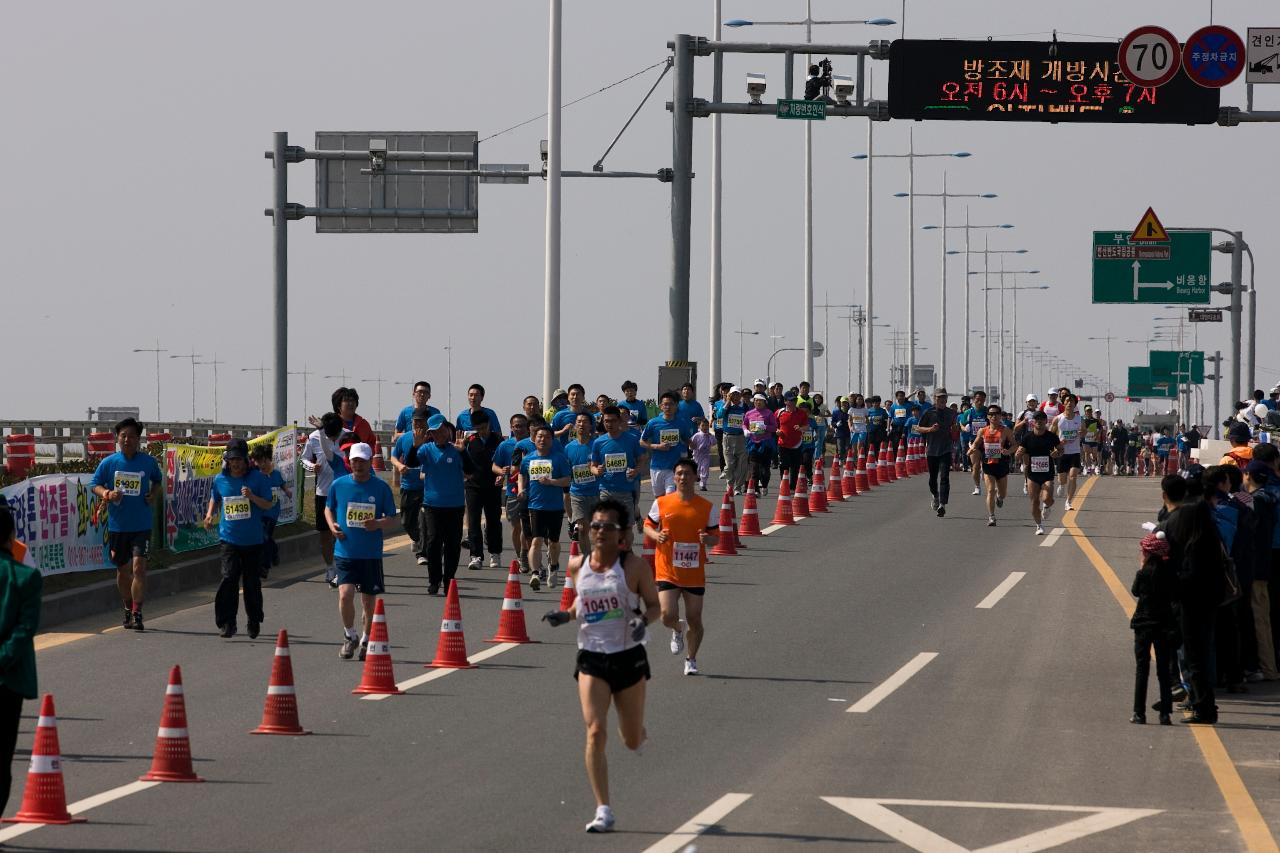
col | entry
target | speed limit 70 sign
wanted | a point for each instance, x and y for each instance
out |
(1150, 56)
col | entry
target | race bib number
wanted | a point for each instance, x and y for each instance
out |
(808, 437)
(735, 420)
(236, 509)
(977, 425)
(615, 463)
(684, 555)
(359, 513)
(899, 413)
(128, 483)
(600, 605)
(991, 450)
(757, 427)
(277, 494)
(858, 423)
(1069, 435)
(1039, 464)
(582, 475)
(669, 436)
(540, 468)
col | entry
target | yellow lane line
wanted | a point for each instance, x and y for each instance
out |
(48, 641)
(1257, 835)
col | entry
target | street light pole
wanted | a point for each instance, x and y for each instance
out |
(714, 372)
(193, 356)
(551, 287)
(742, 333)
(214, 364)
(261, 370)
(304, 373)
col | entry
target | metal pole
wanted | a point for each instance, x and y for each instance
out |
(1003, 383)
(911, 260)
(826, 339)
(714, 372)
(551, 285)
(1253, 315)
(968, 379)
(986, 316)
(1237, 255)
(280, 250)
(1217, 391)
(1013, 379)
(866, 358)
(942, 298)
(681, 196)
(865, 322)
(808, 217)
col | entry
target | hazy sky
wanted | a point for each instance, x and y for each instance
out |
(134, 141)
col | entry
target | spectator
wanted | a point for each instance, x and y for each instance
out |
(1197, 557)
(1154, 627)
(20, 588)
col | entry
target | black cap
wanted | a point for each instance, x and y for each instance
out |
(422, 413)
(237, 448)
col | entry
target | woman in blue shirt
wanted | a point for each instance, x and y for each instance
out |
(243, 494)
(443, 500)
(544, 475)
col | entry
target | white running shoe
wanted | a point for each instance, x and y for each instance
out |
(603, 821)
(991, 521)
(476, 563)
(551, 578)
(1057, 491)
(977, 491)
(1069, 506)
(677, 641)
(1044, 512)
(1039, 529)
(535, 580)
(493, 561)
(422, 561)
(690, 666)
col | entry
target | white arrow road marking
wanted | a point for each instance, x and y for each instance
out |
(700, 823)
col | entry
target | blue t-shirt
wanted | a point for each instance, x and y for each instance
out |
(659, 428)
(562, 419)
(899, 412)
(240, 519)
(909, 426)
(876, 418)
(463, 421)
(584, 483)
(404, 421)
(617, 455)
(276, 480)
(924, 405)
(441, 475)
(351, 503)
(687, 410)
(133, 478)
(555, 466)
(809, 438)
(506, 450)
(410, 478)
(1163, 443)
(731, 417)
(637, 412)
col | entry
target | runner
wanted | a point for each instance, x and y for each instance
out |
(761, 427)
(666, 437)
(840, 427)
(483, 495)
(262, 457)
(1119, 446)
(617, 459)
(411, 478)
(359, 508)
(733, 411)
(612, 586)
(935, 425)
(322, 457)
(421, 396)
(637, 411)
(1037, 450)
(506, 464)
(995, 444)
(973, 421)
(1069, 427)
(476, 410)
(899, 411)
(808, 439)
(443, 501)
(1091, 441)
(688, 410)
(345, 402)
(1134, 451)
(682, 525)
(242, 493)
(544, 476)
(700, 445)
(129, 481)
(584, 490)
(792, 423)
(877, 426)
(562, 423)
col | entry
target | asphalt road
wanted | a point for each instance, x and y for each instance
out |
(1010, 721)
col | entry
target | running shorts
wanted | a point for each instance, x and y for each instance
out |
(546, 523)
(999, 471)
(1067, 462)
(692, 590)
(322, 526)
(619, 670)
(125, 546)
(364, 574)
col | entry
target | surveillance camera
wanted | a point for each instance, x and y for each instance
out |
(377, 146)
(542, 149)
(377, 155)
(843, 87)
(755, 86)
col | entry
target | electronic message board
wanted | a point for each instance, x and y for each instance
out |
(1033, 81)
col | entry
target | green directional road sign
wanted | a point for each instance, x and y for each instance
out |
(1179, 366)
(1142, 384)
(809, 110)
(1130, 273)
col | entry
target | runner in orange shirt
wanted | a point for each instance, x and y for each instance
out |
(683, 524)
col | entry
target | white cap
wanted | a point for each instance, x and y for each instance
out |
(360, 451)
(1052, 391)
(734, 389)
(758, 382)
(1030, 397)
(759, 396)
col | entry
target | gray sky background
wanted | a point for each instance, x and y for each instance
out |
(151, 119)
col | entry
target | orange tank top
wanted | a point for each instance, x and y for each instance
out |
(681, 560)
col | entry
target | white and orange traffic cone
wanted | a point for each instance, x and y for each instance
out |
(511, 628)
(451, 650)
(172, 759)
(800, 503)
(44, 800)
(750, 525)
(835, 488)
(378, 675)
(280, 714)
(724, 546)
(568, 594)
(818, 493)
(784, 512)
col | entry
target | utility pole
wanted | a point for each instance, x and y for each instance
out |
(551, 286)
(826, 316)
(715, 370)
(157, 349)
(1216, 358)
(379, 381)
(261, 370)
(214, 364)
(305, 374)
(193, 356)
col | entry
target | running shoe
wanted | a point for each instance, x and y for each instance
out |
(422, 561)
(331, 577)
(137, 621)
(551, 577)
(603, 821)
(535, 580)
(476, 563)
(1069, 506)
(1039, 529)
(254, 630)
(977, 491)
(493, 561)
(933, 503)
(128, 619)
(690, 666)
(364, 649)
(348, 647)
(524, 565)
(1044, 512)
(942, 510)
(228, 631)
(677, 642)
(991, 521)
(1057, 491)
(999, 502)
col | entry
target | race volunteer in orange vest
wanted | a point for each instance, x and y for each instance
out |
(683, 524)
(1240, 453)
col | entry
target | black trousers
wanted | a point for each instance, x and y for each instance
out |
(10, 715)
(720, 447)
(1144, 639)
(790, 460)
(489, 502)
(444, 542)
(760, 458)
(940, 477)
(1197, 624)
(241, 565)
(1226, 644)
(270, 550)
(412, 519)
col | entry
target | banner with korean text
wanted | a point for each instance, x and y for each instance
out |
(53, 514)
(188, 481)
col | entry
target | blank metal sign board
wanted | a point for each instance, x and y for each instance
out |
(1262, 55)
(391, 203)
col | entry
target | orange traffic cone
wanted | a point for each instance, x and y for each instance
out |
(378, 676)
(818, 493)
(917, 460)
(724, 546)
(750, 525)
(800, 503)
(280, 714)
(850, 480)
(650, 554)
(568, 594)
(733, 518)
(783, 514)
(867, 467)
(451, 651)
(835, 489)
(887, 463)
(511, 620)
(172, 760)
(900, 464)
(44, 800)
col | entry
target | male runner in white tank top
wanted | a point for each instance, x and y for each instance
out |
(1070, 429)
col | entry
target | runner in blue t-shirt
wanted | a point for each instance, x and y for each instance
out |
(262, 456)
(617, 459)
(421, 394)
(240, 496)
(506, 462)
(130, 484)
(688, 409)
(443, 501)
(475, 399)
(359, 507)
(584, 491)
(666, 437)
(636, 411)
(544, 476)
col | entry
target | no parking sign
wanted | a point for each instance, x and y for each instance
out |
(1213, 56)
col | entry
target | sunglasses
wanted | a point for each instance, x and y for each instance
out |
(605, 525)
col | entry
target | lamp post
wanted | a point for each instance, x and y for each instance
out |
(193, 356)
(448, 348)
(942, 289)
(1013, 379)
(157, 349)
(1003, 273)
(911, 156)
(305, 374)
(1108, 337)
(968, 381)
(551, 272)
(826, 316)
(742, 333)
(379, 382)
(214, 364)
(986, 253)
(808, 23)
(261, 370)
